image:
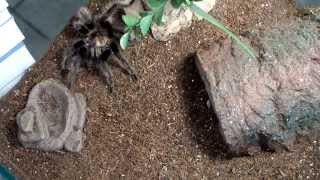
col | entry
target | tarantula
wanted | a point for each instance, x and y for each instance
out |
(96, 46)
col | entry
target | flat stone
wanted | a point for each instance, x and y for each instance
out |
(265, 104)
(53, 118)
(26, 122)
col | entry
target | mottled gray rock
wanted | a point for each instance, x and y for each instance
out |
(176, 19)
(266, 103)
(173, 20)
(53, 118)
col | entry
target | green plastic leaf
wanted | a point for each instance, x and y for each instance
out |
(158, 16)
(145, 24)
(220, 26)
(156, 4)
(124, 40)
(130, 21)
(176, 3)
(146, 13)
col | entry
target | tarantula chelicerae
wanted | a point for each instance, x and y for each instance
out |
(97, 45)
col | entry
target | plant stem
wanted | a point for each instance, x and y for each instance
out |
(196, 9)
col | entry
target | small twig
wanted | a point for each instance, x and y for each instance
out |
(138, 48)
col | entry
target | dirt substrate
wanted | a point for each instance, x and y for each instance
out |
(158, 127)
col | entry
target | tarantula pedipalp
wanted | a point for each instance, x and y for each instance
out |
(96, 46)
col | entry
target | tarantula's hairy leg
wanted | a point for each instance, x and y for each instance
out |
(84, 21)
(123, 62)
(72, 66)
(111, 21)
(73, 60)
(64, 62)
(105, 70)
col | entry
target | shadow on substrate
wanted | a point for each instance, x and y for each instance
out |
(202, 120)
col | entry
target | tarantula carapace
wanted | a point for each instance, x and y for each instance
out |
(96, 46)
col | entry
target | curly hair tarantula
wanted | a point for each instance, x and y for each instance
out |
(96, 46)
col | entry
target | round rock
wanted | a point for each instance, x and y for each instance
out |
(53, 118)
